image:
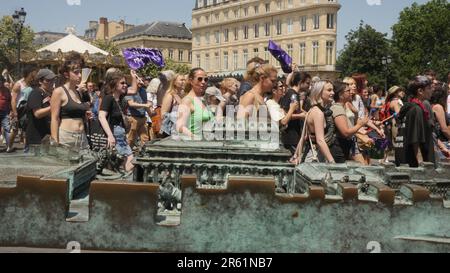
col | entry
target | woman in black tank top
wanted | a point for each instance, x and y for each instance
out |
(68, 111)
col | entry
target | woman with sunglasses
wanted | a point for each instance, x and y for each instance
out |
(273, 105)
(111, 115)
(68, 111)
(193, 111)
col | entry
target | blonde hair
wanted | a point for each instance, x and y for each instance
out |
(256, 70)
(172, 90)
(347, 80)
(226, 84)
(316, 92)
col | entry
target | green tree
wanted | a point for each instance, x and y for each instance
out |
(153, 71)
(8, 42)
(422, 39)
(363, 53)
(107, 46)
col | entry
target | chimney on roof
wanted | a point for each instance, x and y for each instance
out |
(104, 21)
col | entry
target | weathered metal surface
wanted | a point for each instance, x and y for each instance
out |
(246, 216)
(48, 164)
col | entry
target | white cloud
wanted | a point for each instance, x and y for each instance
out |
(73, 2)
(374, 2)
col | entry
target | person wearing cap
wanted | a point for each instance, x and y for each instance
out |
(391, 108)
(213, 99)
(38, 108)
(5, 109)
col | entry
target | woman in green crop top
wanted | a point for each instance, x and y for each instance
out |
(193, 112)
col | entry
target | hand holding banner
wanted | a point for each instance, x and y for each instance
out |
(137, 58)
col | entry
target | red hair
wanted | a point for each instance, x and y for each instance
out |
(360, 80)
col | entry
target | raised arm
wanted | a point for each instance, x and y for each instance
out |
(55, 108)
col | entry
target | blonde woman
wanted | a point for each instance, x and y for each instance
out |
(320, 127)
(263, 79)
(170, 104)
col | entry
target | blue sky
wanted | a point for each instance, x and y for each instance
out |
(56, 15)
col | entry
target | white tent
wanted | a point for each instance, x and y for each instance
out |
(72, 43)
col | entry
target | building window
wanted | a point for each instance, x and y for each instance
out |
(171, 54)
(290, 50)
(236, 34)
(290, 3)
(330, 20)
(256, 52)
(279, 27)
(180, 55)
(190, 56)
(266, 53)
(216, 16)
(245, 32)
(217, 36)
(225, 15)
(303, 23)
(206, 62)
(316, 19)
(207, 38)
(267, 29)
(225, 35)
(235, 60)
(256, 30)
(256, 10)
(245, 12)
(245, 59)
(290, 25)
(217, 60)
(197, 39)
(279, 5)
(302, 59)
(267, 7)
(236, 14)
(225, 60)
(329, 56)
(315, 53)
(199, 64)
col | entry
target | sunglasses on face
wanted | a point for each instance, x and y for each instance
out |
(201, 79)
(123, 83)
(76, 71)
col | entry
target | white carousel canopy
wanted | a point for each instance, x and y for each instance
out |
(72, 43)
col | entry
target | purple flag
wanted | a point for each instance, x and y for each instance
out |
(281, 56)
(137, 58)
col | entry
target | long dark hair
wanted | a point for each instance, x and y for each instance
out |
(111, 82)
(439, 96)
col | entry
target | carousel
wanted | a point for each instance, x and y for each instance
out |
(52, 56)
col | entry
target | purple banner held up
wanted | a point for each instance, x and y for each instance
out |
(137, 58)
(281, 56)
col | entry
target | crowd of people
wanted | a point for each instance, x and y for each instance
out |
(319, 120)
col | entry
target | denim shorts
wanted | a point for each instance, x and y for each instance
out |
(122, 146)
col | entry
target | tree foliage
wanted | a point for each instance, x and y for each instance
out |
(108, 46)
(422, 39)
(8, 42)
(153, 71)
(363, 53)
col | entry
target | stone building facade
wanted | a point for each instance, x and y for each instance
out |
(226, 34)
